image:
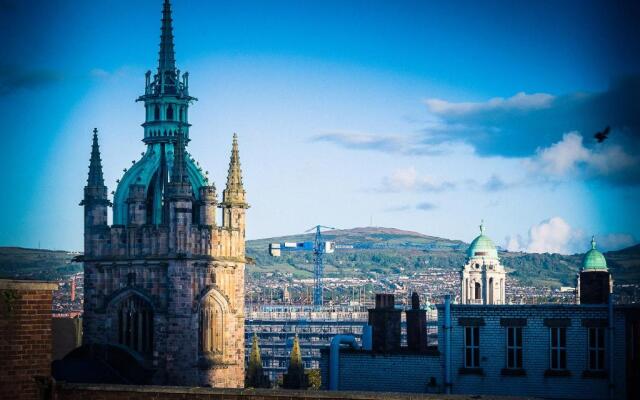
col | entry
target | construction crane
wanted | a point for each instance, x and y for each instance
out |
(320, 247)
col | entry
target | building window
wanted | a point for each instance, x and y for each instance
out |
(156, 113)
(558, 348)
(514, 347)
(135, 325)
(170, 113)
(211, 327)
(478, 291)
(596, 349)
(472, 347)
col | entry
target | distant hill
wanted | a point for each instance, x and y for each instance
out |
(21, 263)
(377, 251)
(388, 250)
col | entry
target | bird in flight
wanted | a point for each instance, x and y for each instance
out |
(601, 136)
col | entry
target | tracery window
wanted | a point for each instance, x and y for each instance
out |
(211, 327)
(135, 325)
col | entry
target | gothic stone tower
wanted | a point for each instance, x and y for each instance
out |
(482, 279)
(165, 281)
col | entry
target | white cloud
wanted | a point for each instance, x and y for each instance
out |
(407, 179)
(555, 235)
(550, 236)
(569, 157)
(519, 101)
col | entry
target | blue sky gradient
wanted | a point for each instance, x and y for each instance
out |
(415, 115)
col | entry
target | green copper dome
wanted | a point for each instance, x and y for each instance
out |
(482, 247)
(594, 260)
(152, 172)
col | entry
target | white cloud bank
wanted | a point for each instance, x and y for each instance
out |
(520, 101)
(407, 179)
(555, 235)
(570, 157)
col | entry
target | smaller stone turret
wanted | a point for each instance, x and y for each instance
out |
(95, 201)
(295, 378)
(234, 203)
(137, 211)
(208, 204)
(255, 377)
(180, 198)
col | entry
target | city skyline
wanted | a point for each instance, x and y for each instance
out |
(346, 114)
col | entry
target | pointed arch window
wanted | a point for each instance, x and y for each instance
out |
(170, 112)
(211, 327)
(135, 325)
(156, 113)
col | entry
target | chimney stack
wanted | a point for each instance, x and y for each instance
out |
(385, 323)
(416, 326)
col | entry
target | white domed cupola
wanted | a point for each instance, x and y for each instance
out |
(482, 278)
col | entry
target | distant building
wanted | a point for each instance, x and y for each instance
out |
(482, 279)
(573, 351)
(276, 327)
(594, 280)
(165, 282)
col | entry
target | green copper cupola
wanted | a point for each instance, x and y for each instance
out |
(166, 96)
(594, 260)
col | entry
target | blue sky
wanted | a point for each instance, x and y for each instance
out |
(420, 116)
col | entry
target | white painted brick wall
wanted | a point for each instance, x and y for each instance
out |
(411, 373)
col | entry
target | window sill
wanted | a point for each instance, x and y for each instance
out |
(470, 371)
(513, 372)
(557, 373)
(595, 374)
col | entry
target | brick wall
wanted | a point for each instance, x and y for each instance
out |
(25, 337)
(398, 372)
(404, 372)
(489, 379)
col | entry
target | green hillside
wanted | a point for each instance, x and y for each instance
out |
(388, 250)
(21, 263)
(377, 251)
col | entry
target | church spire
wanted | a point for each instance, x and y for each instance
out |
(96, 178)
(166, 60)
(234, 193)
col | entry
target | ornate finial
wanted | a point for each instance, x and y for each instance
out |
(593, 242)
(95, 131)
(482, 226)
